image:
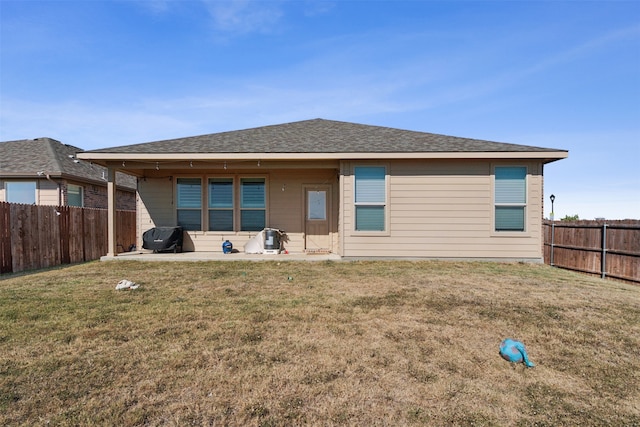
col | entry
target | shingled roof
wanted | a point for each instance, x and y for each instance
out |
(30, 158)
(321, 136)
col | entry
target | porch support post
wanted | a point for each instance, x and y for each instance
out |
(111, 212)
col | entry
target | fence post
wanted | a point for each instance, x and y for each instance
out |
(603, 264)
(553, 232)
(6, 261)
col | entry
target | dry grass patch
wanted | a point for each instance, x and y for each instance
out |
(361, 343)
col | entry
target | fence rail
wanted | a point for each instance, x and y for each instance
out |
(606, 248)
(35, 236)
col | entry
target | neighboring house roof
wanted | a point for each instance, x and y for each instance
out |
(32, 158)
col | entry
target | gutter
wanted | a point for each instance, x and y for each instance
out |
(104, 158)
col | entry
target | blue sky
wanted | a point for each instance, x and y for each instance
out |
(558, 74)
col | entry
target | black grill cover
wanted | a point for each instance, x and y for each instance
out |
(163, 239)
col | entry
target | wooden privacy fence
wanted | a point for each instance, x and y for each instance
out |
(606, 248)
(35, 236)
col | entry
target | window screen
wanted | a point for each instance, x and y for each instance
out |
(221, 204)
(370, 198)
(74, 195)
(252, 204)
(189, 201)
(510, 198)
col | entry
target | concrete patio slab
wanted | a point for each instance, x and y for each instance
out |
(218, 256)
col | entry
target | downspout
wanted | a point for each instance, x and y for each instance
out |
(59, 189)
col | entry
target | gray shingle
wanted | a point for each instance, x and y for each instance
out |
(27, 157)
(321, 136)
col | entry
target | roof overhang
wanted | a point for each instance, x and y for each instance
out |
(107, 159)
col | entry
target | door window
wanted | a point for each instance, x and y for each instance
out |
(317, 205)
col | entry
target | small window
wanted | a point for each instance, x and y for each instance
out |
(370, 198)
(510, 198)
(252, 204)
(317, 205)
(21, 192)
(221, 204)
(75, 195)
(189, 201)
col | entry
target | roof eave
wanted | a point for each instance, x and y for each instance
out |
(29, 175)
(63, 176)
(95, 181)
(103, 158)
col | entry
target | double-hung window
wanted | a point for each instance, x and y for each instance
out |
(189, 203)
(370, 198)
(510, 198)
(252, 204)
(221, 204)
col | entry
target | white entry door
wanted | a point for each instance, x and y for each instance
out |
(317, 217)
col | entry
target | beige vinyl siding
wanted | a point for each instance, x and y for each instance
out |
(442, 210)
(435, 209)
(155, 206)
(47, 192)
(285, 209)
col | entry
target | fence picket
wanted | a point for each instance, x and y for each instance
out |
(65, 235)
(35, 237)
(605, 248)
(5, 238)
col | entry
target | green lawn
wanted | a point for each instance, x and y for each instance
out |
(323, 343)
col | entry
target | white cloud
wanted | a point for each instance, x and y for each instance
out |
(244, 16)
(156, 6)
(227, 17)
(315, 8)
(587, 48)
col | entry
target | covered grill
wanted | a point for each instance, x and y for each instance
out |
(163, 239)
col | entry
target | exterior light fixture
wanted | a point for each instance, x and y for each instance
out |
(553, 198)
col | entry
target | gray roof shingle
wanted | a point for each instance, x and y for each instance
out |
(321, 136)
(27, 157)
